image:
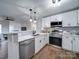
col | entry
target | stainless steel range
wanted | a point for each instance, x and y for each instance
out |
(55, 38)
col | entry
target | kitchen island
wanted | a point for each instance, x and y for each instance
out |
(14, 43)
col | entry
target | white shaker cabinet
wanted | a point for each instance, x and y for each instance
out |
(67, 41)
(56, 18)
(40, 41)
(46, 22)
(47, 38)
(70, 19)
(70, 42)
(75, 44)
(53, 18)
(37, 44)
(78, 16)
(43, 23)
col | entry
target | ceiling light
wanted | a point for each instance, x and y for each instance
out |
(35, 17)
(56, 3)
(59, 0)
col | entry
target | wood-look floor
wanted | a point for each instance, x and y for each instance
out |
(3, 49)
(51, 52)
(48, 52)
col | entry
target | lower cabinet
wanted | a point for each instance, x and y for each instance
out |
(67, 43)
(37, 44)
(40, 42)
(75, 44)
(70, 43)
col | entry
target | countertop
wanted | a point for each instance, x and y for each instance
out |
(26, 37)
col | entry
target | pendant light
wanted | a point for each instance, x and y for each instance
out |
(30, 15)
(56, 2)
(34, 17)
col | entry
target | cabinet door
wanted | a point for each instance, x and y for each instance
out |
(56, 18)
(47, 22)
(75, 44)
(37, 44)
(53, 18)
(78, 16)
(43, 23)
(67, 43)
(42, 41)
(70, 19)
(47, 38)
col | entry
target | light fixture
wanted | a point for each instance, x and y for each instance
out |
(56, 3)
(35, 17)
(35, 21)
(30, 15)
(30, 20)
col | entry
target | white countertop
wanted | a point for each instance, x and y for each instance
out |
(26, 37)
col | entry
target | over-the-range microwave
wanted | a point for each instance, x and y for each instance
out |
(56, 24)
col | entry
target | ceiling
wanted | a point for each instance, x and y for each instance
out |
(19, 9)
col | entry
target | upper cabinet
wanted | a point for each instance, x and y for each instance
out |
(56, 18)
(70, 19)
(46, 22)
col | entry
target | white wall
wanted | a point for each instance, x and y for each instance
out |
(16, 25)
(5, 26)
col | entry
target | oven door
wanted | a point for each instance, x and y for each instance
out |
(55, 41)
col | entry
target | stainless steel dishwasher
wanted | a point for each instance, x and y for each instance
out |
(27, 49)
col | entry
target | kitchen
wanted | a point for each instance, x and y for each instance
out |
(36, 29)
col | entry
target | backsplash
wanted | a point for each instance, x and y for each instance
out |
(72, 30)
